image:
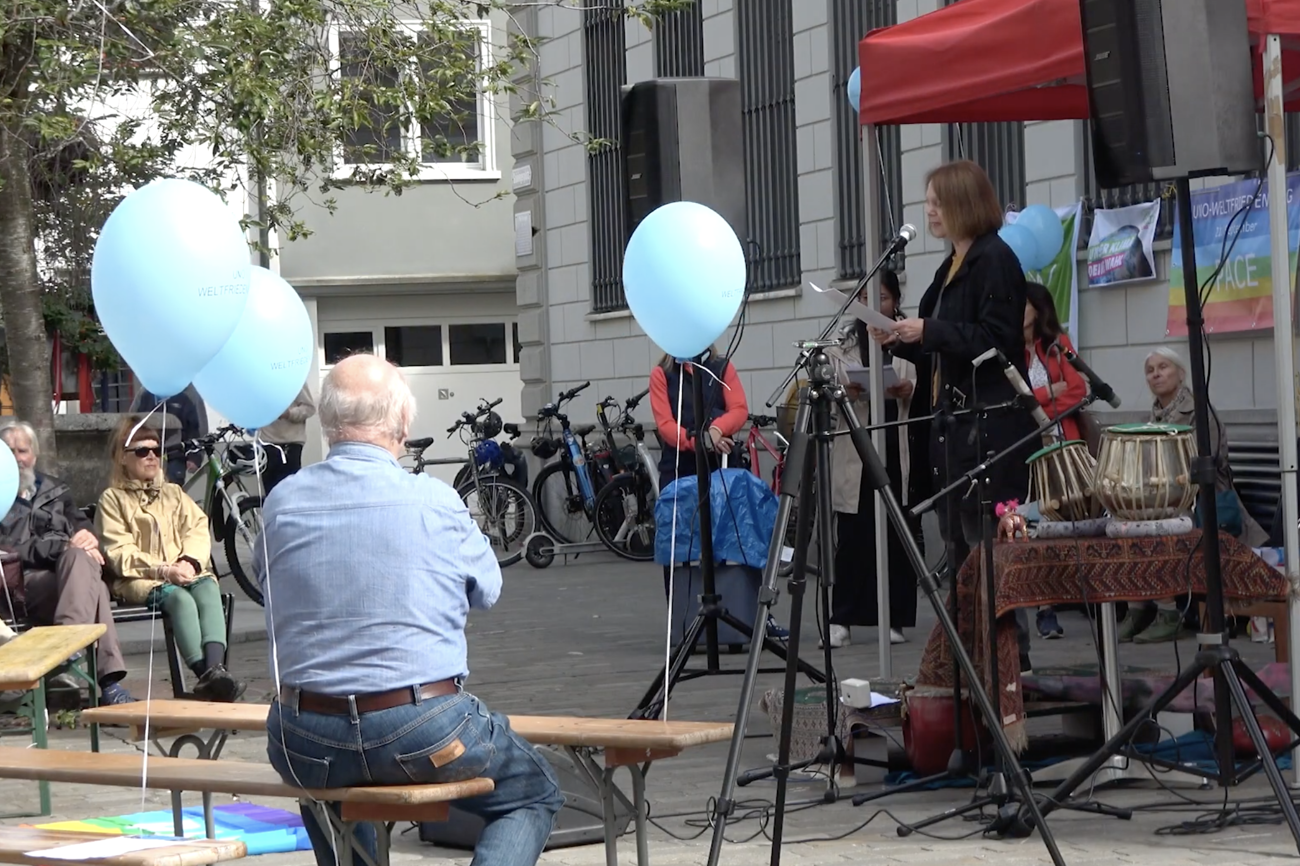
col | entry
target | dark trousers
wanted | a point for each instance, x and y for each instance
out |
(282, 460)
(854, 600)
(75, 593)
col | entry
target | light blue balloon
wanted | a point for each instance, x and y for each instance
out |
(1022, 243)
(1043, 223)
(855, 89)
(8, 478)
(263, 365)
(684, 277)
(170, 279)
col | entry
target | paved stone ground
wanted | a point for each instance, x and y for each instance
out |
(587, 637)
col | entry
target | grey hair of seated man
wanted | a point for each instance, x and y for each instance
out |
(366, 399)
(26, 475)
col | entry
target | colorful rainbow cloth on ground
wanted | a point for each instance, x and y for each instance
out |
(263, 829)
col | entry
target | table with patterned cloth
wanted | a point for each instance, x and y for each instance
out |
(1079, 571)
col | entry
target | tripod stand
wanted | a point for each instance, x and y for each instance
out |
(711, 610)
(1231, 675)
(815, 409)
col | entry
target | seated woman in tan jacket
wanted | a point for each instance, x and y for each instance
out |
(156, 545)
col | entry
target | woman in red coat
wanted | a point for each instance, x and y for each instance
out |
(1057, 385)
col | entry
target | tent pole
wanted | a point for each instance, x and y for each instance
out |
(871, 237)
(1283, 344)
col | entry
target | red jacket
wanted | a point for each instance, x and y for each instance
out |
(1059, 370)
(661, 403)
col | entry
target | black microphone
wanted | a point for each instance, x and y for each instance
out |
(1099, 386)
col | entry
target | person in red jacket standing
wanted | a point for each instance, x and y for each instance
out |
(727, 410)
(1057, 385)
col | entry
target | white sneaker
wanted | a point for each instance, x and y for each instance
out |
(839, 636)
(896, 636)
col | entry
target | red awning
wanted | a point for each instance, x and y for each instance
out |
(986, 60)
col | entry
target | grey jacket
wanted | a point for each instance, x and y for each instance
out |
(291, 427)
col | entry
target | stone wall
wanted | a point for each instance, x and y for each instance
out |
(83, 451)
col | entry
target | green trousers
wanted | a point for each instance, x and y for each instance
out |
(195, 615)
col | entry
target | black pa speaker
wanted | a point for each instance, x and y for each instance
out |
(1170, 89)
(683, 141)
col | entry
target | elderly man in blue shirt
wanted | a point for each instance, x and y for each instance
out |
(369, 573)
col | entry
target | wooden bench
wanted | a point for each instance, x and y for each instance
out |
(26, 663)
(18, 843)
(383, 806)
(631, 743)
(124, 614)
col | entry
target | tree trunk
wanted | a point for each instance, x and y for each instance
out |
(20, 300)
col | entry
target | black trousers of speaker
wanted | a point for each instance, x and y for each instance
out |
(683, 140)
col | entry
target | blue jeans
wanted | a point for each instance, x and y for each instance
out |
(396, 746)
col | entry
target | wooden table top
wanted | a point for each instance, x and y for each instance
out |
(221, 777)
(167, 717)
(34, 653)
(15, 842)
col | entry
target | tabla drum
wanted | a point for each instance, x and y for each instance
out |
(1144, 471)
(1063, 477)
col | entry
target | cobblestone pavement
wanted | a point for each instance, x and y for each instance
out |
(586, 638)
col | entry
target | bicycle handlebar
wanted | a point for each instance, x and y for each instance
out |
(484, 407)
(566, 396)
(762, 420)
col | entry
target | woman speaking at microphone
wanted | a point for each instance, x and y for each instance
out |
(975, 303)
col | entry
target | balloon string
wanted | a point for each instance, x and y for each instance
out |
(672, 554)
(136, 429)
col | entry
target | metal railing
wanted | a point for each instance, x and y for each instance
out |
(851, 20)
(765, 59)
(679, 43)
(605, 72)
(999, 148)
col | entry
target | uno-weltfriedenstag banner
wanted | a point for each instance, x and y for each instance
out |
(1241, 297)
(1061, 277)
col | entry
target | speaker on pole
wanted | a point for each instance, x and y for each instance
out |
(1170, 89)
(683, 140)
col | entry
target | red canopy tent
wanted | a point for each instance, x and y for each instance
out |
(987, 60)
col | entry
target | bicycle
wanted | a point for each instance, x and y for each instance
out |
(565, 491)
(503, 510)
(234, 512)
(756, 445)
(625, 507)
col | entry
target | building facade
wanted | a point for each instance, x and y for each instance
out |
(426, 279)
(805, 199)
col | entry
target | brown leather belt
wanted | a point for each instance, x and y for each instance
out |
(374, 702)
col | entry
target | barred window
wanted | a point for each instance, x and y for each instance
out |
(1095, 197)
(605, 72)
(679, 43)
(850, 21)
(765, 57)
(999, 148)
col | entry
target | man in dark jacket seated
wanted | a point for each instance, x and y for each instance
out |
(62, 578)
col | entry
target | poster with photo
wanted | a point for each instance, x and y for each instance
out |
(1119, 248)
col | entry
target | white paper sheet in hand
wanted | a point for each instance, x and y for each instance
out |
(861, 376)
(109, 846)
(861, 311)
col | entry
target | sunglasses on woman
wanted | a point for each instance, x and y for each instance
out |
(145, 450)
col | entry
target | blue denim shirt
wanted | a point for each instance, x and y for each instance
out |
(369, 573)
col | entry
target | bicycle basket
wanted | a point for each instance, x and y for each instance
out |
(544, 448)
(488, 454)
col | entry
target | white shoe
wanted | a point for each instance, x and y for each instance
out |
(839, 636)
(896, 636)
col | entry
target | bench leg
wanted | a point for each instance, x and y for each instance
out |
(178, 815)
(343, 836)
(607, 806)
(209, 825)
(638, 799)
(40, 719)
(92, 676)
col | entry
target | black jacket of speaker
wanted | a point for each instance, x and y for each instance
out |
(983, 307)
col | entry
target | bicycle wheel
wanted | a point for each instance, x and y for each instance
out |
(625, 517)
(504, 512)
(241, 533)
(559, 504)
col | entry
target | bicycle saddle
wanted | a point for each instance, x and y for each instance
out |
(419, 444)
(581, 430)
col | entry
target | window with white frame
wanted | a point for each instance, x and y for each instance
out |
(457, 145)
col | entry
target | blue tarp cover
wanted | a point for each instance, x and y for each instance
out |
(744, 515)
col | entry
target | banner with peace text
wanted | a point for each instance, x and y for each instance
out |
(1061, 277)
(1241, 296)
